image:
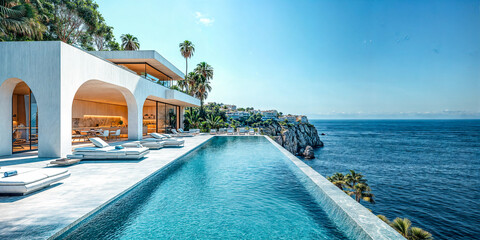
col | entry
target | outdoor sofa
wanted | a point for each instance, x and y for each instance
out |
(29, 180)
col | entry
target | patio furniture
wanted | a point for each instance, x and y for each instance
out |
(104, 134)
(213, 131)
(194, 131)
(116, 135)
(221, 131)
(78, 135)
(168, 142)
(30, 179)
(17, 140)
(251, 131)
(230, 131)
(103, 150)
(181, 134)
(241, 131)
(64, 162)
(152, 145)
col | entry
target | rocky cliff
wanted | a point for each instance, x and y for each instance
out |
(294, 138)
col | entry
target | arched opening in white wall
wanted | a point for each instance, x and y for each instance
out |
(100, 110)
(160, 116)
(24, 119)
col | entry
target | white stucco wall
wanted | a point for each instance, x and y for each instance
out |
(55, 71)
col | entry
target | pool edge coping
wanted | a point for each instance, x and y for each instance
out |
(124, 192)
(355, 211)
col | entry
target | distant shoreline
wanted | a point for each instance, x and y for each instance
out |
(395, 119)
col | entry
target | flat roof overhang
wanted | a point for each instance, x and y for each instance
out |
(151, 57)
(102, 92)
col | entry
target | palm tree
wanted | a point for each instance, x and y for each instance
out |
(214, 122)
(358, 187)
(192, 117)
(191, 80)
(205, 70)
(182, 84)
(419, 234)
(19, 18)
(404, 227)
(202, 87)
(383, 218)
(187, 49)
(338, 179)
(129, 42)
(362, 191)
(353, 178)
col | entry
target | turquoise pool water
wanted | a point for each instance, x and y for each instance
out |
(230, 188)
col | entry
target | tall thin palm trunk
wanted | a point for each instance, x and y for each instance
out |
(186, 71)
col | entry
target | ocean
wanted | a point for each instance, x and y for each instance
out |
(425, 170)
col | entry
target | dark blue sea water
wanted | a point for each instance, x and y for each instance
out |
(425, 170)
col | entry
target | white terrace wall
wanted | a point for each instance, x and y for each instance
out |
(55, 71)
(39, 68)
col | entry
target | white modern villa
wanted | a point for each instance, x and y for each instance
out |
(52, 94)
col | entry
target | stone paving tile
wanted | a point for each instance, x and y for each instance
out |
(92, 183)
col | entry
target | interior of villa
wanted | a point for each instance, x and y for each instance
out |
(24, 119)
(98, 111)
(101, 111)
(159, 117)
(148, 71)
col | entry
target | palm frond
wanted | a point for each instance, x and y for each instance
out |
(383, 218)
(402, 226)
(419, 234)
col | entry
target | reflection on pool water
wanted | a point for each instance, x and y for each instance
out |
(231, 187)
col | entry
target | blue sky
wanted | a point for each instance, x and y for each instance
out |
(326, 59)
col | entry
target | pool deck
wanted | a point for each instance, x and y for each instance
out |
(41, 214)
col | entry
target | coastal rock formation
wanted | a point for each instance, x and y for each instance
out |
(308, 153)
(294, 138)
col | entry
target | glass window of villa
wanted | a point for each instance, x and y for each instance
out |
(24, 119)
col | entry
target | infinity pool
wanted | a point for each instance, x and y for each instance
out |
(230, 188)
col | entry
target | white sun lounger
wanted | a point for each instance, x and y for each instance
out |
(181, 134)
(230, 131)
(152, 145)
(193, 131)
(242, 131)
(105, 151)
(30, 179)
(168, 142)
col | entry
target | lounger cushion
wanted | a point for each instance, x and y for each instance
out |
(31, 176)
(173, 142)
(23, 179)
(134, 144)
(156, 135)
(51, 172)
(109, 153)
(151, 140)
(153, 145)
(94, 149)
(135, 151)
(99, 142)
(31, 180)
